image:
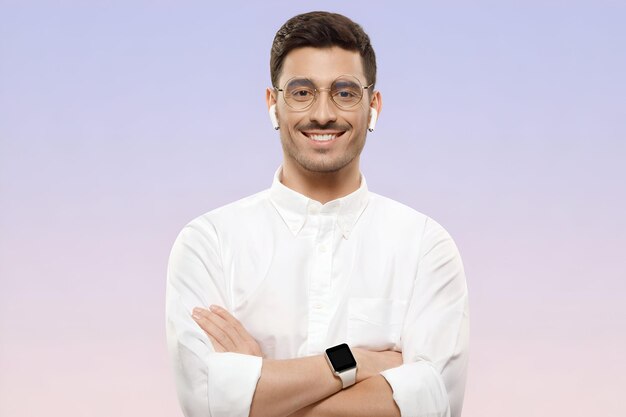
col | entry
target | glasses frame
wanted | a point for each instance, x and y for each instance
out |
(317, 90)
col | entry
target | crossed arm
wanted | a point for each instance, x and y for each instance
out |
(428, 378)
(305, 387)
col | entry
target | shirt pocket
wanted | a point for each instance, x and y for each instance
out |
(375, 323)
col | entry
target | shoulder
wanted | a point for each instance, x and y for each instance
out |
(396, 212)
(380, 202)
(396, 215)
(209, 225)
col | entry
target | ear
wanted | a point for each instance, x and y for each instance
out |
(270, 97)
(376, 105)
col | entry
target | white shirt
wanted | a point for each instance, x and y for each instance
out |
(302, 276)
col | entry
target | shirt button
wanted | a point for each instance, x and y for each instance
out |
(323, 248)
(314, 210)
(318, 306)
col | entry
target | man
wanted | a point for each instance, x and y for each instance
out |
(317, 297)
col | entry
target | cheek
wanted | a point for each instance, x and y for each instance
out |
(292, 121)
(289, 126)
(360, 122)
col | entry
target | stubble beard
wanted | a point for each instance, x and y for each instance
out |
(322, 164)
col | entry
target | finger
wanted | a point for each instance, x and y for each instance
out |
(236, 342)
(251, 346)
(203, 318)
(217, 346)
(227, 326)
(236, 324)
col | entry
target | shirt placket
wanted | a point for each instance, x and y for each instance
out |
(320, 283)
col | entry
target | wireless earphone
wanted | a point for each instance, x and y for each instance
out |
(273, 117)
(373, 119)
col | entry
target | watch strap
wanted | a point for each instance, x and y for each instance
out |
(348, 377)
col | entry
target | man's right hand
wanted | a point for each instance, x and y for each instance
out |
(370, 363)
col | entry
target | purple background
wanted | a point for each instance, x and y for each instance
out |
(121, 121)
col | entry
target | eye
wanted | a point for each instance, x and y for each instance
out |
(345, 94)
(301, 94)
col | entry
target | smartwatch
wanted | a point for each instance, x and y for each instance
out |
(342, 363)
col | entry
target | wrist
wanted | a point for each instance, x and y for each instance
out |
(361, 356)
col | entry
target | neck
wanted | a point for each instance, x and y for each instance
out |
(321, 186)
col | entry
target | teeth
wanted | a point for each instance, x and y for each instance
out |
(322, 138)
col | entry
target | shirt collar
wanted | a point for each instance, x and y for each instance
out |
(294, 208)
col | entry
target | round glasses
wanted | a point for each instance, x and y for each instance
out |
(300, 93)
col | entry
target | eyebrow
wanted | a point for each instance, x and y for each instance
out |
(346, 83)
(301, 82)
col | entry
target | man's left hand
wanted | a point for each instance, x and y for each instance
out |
(226, 332)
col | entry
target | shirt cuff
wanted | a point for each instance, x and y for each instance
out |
(232, 382)
(418, 390)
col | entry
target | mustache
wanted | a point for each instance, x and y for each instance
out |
(327, 126)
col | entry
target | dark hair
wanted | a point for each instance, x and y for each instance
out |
(321, 30)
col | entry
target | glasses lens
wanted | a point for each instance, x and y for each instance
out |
(299, 93)
(346, 91)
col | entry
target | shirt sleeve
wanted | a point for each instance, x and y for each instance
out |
(435, 334)
(209, 383)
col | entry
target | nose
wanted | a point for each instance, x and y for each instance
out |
(323, 110)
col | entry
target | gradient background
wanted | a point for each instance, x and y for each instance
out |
(121, 121)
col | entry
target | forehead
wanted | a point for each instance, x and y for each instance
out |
(322, 65)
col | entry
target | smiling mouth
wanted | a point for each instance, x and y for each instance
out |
(322, 137)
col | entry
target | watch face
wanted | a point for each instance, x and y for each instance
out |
(340, 357)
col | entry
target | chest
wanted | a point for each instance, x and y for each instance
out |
(298, 296)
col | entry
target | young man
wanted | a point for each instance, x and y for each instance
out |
(317, 297)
